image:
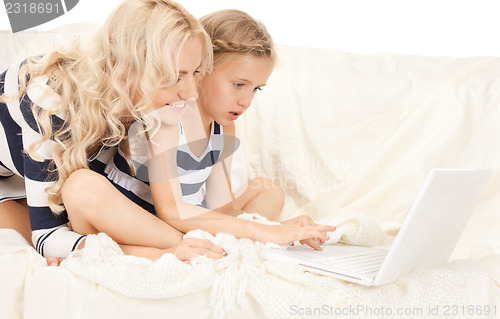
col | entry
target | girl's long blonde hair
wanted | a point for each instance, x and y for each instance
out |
(234, 31)
(136, 50)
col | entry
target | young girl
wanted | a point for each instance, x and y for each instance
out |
(63, 115)
(244, 58)
(189, 167)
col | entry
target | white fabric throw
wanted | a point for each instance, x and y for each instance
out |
(282, 290)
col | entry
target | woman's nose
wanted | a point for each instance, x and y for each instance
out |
(190, 88)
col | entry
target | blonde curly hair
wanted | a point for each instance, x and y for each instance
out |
(234, 31)
(136, 50)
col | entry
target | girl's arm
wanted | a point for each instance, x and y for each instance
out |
(219, 191)
(186, 217)
(167, 198)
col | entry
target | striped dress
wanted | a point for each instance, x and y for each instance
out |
(23, 177)
(193, 171)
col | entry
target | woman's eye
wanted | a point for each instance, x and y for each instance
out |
(238, 85)
(257, 89)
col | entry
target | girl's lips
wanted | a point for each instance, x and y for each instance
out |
(233, 116)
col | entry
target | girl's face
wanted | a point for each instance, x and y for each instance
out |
(171, 101)
(228, 91)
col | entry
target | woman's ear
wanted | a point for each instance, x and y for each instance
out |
(137, 96)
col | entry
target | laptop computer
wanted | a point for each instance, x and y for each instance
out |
(426, 238)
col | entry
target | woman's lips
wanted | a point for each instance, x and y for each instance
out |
(178, 106)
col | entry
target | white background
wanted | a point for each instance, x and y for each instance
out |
(426, 27)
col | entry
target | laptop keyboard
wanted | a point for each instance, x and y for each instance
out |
(364, 263)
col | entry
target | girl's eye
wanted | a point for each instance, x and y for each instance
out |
(238, 85)
(257, 89)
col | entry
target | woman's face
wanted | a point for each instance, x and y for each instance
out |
(170, 102)
(228, 91)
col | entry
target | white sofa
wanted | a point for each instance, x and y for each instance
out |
(343, 133)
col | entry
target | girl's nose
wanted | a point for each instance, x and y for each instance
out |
(245, 100)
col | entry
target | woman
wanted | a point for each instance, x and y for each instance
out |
(62, 122)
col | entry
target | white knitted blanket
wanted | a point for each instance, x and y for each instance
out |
(282, 290)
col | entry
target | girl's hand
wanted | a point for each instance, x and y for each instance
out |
(190, 248)
(301, 228)
(304, 220)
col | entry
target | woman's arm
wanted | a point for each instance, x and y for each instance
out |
(185, 250)
(50, 237)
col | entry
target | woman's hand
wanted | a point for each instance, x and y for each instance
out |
(185, 250)
(301, 228)
(190, 248)
(54, 261)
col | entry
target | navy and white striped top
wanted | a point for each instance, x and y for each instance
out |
(23, 177)
(193, 171)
